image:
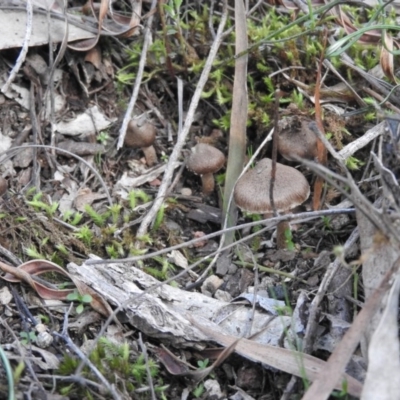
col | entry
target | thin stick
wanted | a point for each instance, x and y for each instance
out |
(176, 152)
(274, 152)
(146, 360)
(315, 308)
(85, 360)
(25, 47)
(13, 150)
(272, 223)
(139, 76)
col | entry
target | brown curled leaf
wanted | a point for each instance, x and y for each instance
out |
(27, 272)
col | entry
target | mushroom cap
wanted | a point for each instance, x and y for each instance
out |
(205, 159)
(252, 190)
(140, 133)
(296, 139)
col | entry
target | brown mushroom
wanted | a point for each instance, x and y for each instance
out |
(290, 190)
(205, 160)
(141, 134)
(296, 139)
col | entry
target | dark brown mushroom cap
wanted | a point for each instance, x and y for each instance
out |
(205, 159)
(140, 133)
(296, 140)
(252, 190)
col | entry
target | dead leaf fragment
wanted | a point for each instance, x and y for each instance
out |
(290, 361)
(27, 271)
(85, 124)
(384, 353)
(386, 58)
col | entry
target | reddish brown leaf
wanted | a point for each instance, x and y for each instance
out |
(27, 271)
(386, 58)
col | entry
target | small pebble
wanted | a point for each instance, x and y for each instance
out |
(186, 192)
(44, 340)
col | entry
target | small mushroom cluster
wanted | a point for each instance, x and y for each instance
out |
(252, 192)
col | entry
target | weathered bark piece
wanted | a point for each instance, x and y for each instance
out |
(160, 312)
(191, 319)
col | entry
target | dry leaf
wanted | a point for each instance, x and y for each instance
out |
(384, 353)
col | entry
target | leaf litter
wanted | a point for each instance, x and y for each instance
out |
(57, 206)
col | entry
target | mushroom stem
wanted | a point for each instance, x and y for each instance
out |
(150, 155)
(208, 183)
(281, 241)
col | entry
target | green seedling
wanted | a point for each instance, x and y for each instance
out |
(344, 393)
(39, 205)
(203, 364)
(115, 211)
(159, 218)
(30, 192)
(67, 216)
(62, 249)
(166, 268)
(19, 369)
(112, 251)
(85, 234)
(220, 179)
(44, 318)
(81, 299)
(56, 258)
(27, 337)
(327, 223)
(98, 219)
(33, 253)
(353, 163)
(72, 218)
(164, 157)
(135, 195)
(298, 99)
(133, 252)
(103, 137)
(125, 78)
(289, 240)
(198, 391)
(224, 122)
(119, 364)
(115, 250)
(146, 239)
